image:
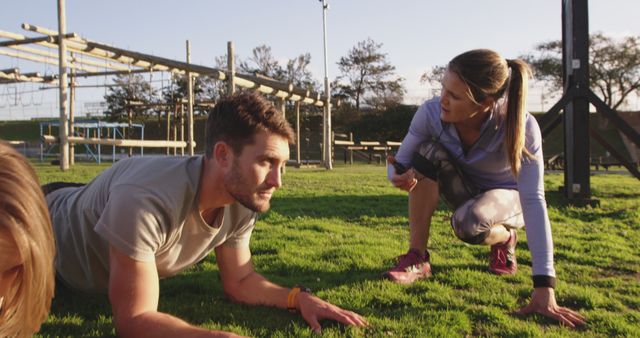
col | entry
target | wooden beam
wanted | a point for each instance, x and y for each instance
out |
(10, 70)
(23, 40)
(17, 77)
(117, 142)
(144, 60)
(115, 72)
(31, 74)
(26, 41)
(288, 87)
(43, 60)
(4, 80)
(290, 92)
(154, 62)
(52, 45)
(159, 61)
(100, 65)
(77, 45)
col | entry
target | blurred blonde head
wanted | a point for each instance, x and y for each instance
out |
(27, 247)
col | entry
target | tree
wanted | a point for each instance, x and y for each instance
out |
(387, 125)
(386, 98)
(298, 73)
(128, 89)
(262, 62)
(366, 71)
(178, 89)
(215, 89)
(433, 78)
(296, 70)
(614, 66)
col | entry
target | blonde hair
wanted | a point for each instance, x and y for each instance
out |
(486, 74)
(25, 218)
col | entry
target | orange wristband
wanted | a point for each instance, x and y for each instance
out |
(291, 299)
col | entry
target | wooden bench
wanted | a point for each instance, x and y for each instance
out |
(605, 163)
(375, 150)
(555, 162)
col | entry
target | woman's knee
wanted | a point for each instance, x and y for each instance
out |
(468, 228)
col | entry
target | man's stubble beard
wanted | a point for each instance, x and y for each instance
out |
(235, 184)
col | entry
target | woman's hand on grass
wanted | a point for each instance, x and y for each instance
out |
(543, 301)
(314, 309)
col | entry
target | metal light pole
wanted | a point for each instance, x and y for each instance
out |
(327, 102)
(62, 81)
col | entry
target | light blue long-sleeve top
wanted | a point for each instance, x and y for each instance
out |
(487, 166)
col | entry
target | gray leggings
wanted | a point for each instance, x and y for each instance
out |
(476, 211)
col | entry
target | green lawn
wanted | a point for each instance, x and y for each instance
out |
(337, 231)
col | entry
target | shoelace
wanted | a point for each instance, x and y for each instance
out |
(499, 256)
(405, 261)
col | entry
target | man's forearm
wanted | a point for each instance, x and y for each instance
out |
(256, 289)
(158, 324)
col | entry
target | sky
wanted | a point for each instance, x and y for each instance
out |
(415, 34)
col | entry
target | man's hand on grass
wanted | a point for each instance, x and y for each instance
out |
(314, 309)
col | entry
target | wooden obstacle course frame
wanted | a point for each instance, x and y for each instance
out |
(121, 61)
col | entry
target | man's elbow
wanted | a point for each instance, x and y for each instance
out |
(124, 327)
(129, 326)
(236, 291)
(233, 292)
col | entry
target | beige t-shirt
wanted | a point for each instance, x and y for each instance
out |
(146, 207)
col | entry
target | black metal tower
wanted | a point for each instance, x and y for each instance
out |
(575, 101)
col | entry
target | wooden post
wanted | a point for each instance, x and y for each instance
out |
(190, 116)
(99, 132)
(283, 109)
(231, 67)
(130, 130)
(168, 114)
(175, 130)
(298, 133)
(42, 143)
(182, 128)
(324, 134)
(72, 105)
(351, 150)
(62, 81)
(331, 142)
(113, 147)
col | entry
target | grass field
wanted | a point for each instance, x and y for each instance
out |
(337, 231)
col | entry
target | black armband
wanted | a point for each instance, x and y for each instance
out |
(424, 166)
(542, 281)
